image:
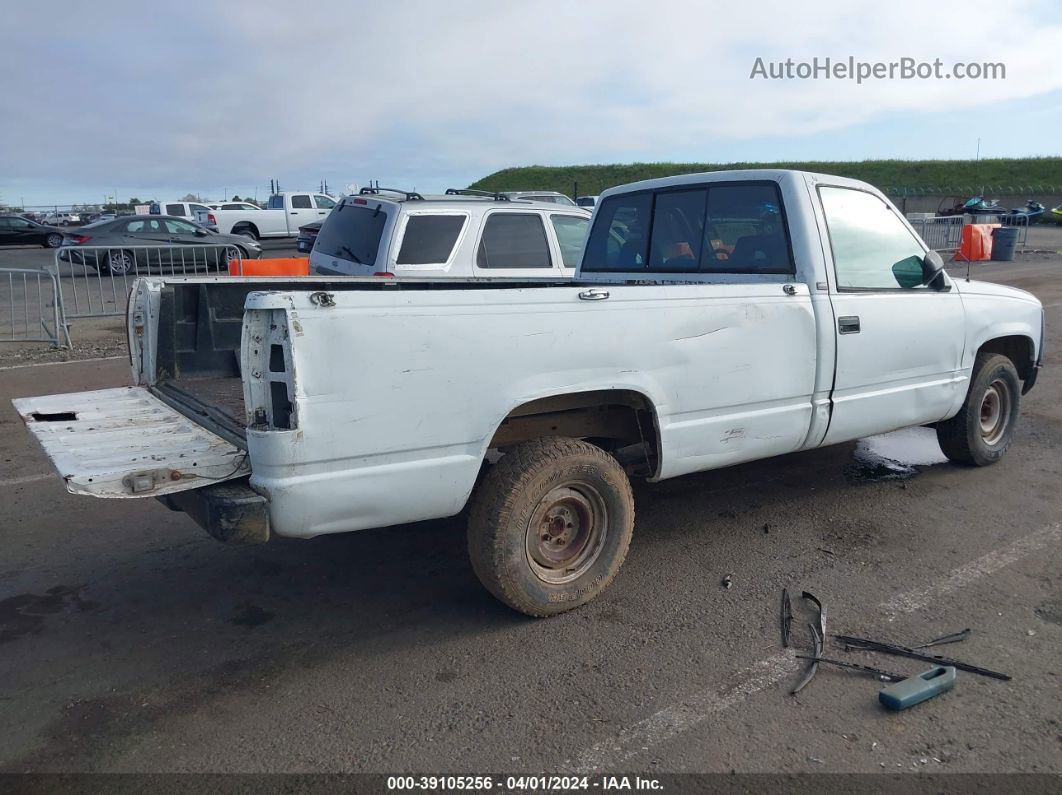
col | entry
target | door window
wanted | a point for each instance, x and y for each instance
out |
(175, 209)
(179, 227)
(571, 235)
(513, 240)
(301, 202)
(144, 226)
(872, 249)
(323, 202)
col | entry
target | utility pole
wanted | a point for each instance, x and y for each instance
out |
(978, 157)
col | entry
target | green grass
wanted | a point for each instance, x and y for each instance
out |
(1000, 176)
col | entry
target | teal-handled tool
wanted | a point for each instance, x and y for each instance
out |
(919, 688)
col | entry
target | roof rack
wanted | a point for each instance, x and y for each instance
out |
(498, 197)
(409, 194)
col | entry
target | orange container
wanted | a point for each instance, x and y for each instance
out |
(278, 266)
(976, 242)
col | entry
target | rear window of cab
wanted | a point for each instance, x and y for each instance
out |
(721, 227)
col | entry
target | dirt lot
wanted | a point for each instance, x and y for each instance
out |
(130, 641)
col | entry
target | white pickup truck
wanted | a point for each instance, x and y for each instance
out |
(283, 216)
(715, 319)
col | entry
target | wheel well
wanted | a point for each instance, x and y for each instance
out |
(1017, 348)
(244, 225)
(619, 420)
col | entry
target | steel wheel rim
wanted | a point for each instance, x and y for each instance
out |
(566, 532)
(994, 412)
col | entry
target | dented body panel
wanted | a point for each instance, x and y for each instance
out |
(729, 369)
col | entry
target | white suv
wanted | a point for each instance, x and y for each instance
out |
(462, 235)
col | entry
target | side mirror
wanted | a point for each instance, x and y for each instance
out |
(200, 232)
(933, 270)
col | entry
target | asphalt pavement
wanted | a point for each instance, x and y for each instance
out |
(131, 641)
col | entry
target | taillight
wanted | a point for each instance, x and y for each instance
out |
(385, 274)
(211, 219)
(79, 239)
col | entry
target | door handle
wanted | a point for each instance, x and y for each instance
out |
(848, 324)
(593, 295)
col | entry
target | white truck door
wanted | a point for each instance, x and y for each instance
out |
(301, 211)
(323, 206)
(899, 342)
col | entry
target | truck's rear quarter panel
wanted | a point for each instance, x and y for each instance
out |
(398, 393)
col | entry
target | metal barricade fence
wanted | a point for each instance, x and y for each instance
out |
(31, 307)
(940, 232)
(1021, 222)
(94, 281)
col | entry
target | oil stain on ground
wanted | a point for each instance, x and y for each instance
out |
(249, 615)
(899, 455)
(25, 614)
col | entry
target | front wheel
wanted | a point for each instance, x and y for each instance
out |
(981, 432)
(550, 525)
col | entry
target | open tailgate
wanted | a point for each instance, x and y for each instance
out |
(126, 442)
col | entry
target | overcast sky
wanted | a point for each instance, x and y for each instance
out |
(161, 99)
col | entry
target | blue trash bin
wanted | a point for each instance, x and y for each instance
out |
(1004, 242)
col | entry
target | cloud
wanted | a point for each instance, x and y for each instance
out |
(236, 92)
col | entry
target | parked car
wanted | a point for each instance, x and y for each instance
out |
(461, 235)
(15, 230)
(548, 196)
(586, 201)
(140, 243)
(62, 219)
(190, 211)
(307, 236)
(282, 218)
(715, 319)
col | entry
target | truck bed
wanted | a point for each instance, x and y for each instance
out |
(224, 393)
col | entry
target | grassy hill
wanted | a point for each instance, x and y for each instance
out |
(999, 176)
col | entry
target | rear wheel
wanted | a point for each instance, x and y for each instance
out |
(53, 240)
(120, 262)
(246, 231)
(981, 432)
(550, 525)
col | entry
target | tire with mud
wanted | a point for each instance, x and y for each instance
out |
(981, 432)
(550, 525)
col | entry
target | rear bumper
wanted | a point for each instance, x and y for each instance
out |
(231, 512)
